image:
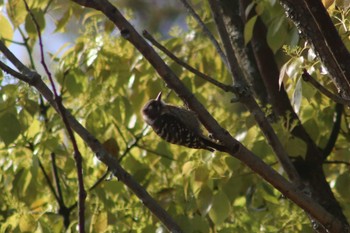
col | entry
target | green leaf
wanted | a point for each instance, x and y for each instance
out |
(199, 224)
(187, 168)
(342, 185)
(96, 122)
(27, 223)
(248, 29)
(277, 33)
(73, 83)
(62, 22)
(111, 145)
(220, 208)
(16, 12)
(6, 31)
(296, 147)
(39, 18)
(22, 181)
(201, 174)
(10, 128)
(204, 200)
(99, 222)
(309, 91)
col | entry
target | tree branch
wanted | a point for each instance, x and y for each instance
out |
(335, 131)
(49, 183)
(63, 210)
(337, 162)
(337, 99)
(220, 85)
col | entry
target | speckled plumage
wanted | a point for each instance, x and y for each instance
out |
(176, 125)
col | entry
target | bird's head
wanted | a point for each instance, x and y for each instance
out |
(153, 109)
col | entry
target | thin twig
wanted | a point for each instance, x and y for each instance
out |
(77, 155)
(56, 177)
(121, 134)
(155, 152)
(47, 178)
(38, 29)
(63, 210)
(337, 162)
(13, 42)
(335, 131)
(151, 39)
(137, 138)
(308, 78)
(99, 181)
(47, 6)
(26, 45)
(205, 30)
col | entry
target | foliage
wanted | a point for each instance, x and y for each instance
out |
(104, 82)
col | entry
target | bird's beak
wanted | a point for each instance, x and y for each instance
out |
(159, 96)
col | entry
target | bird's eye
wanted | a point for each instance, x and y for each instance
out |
(150, 107)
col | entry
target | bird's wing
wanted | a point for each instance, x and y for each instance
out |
(187, 117)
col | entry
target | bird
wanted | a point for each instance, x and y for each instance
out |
(177, 125)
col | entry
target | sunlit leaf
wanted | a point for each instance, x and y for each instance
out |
(62, 22)
(99, 222)
(220, 208)
(282, 75)
(297, 96)
(204, 200)
(73, 83)
(6, 31)
(201, 174)
(27, 223)
(16, 11)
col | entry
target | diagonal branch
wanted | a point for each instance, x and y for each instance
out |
(47, 178)
(64, 211)
(150, 38)
(308, 78)
(56, 177)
